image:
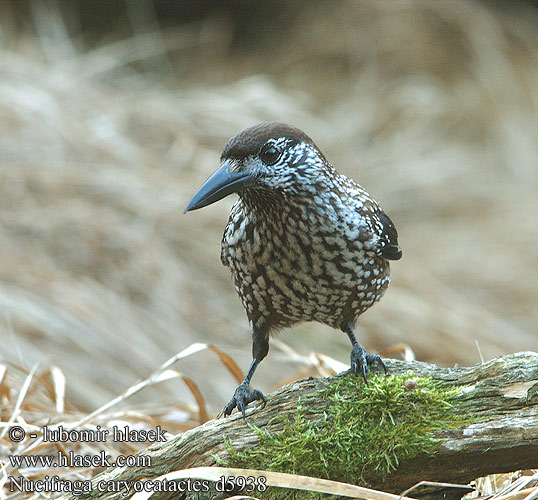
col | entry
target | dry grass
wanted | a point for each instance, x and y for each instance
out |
(431, 106)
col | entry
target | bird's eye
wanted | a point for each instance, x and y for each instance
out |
(269, 154)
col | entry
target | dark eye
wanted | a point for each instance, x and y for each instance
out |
(269, 154)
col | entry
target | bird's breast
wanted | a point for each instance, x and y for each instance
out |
(302, 268)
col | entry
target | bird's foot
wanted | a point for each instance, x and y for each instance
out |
(361, 360)
(242, 397)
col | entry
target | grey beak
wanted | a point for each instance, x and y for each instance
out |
(222, 183)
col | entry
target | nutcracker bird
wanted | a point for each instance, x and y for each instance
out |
(303, 242)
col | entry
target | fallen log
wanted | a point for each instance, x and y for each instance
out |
(494, 429)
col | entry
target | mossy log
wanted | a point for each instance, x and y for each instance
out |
(499, 433)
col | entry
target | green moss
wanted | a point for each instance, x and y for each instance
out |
(362, 436)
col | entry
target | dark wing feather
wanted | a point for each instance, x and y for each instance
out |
(388, 243)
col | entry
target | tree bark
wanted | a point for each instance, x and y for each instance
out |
(501, 396)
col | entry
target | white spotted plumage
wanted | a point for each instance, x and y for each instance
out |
(310, 247)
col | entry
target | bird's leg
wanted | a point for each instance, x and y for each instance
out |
(243, 395)
(360, 359)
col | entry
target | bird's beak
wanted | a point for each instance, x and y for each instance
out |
(222, 183)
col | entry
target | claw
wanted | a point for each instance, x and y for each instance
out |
(361, 360)
(241, 398)
(258, 395)
(241, 406)
(375, 358)
(364, 372)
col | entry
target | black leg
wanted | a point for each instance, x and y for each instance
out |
(243, 395)
(360, 359)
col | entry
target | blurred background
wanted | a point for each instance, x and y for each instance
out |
(112, 114)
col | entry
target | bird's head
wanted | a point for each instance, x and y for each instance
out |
(260, 162)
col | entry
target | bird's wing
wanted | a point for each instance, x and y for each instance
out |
(387, 244)
(378, 223)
